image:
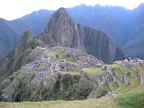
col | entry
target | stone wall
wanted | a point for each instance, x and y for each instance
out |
(90, 76)
(116, 80)
(123, 71)
(126, 81)
(118, 75)
(111, 87)
(44, 73)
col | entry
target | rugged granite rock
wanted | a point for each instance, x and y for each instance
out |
(64, 31)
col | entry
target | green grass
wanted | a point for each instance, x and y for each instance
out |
(70, 60)
(98, 92)
(134, 99)
(121, 88)
(104, 102)
(51, 77)
(106, 87)
(90, 80)
(134, 84)
(71, 73)
(115, 66)
(93, 71)
(115, 85)
(128, 78)
(122, 82)
(103, 70)
(141, 69)
(127, 69)
(118, 70)
(54, 53)
(135, 73)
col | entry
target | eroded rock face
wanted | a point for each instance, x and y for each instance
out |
(62, 30)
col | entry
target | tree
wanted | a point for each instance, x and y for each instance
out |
(57, 56)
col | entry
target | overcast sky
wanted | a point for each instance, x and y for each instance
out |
(12, 9)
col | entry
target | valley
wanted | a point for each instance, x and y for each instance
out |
(71, 65)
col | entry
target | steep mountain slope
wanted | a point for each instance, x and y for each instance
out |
(125, 27)
(122, 25)
(10, 31)
(39, 72)
(135, 46)
(64, 31)
(20, 54)
(34, 22)
(108, 19)
(63, 73)
(8, 37)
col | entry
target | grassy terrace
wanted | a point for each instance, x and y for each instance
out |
(93, 71)
(135, 83)
(98, 92)
(128, 78)
(122, 82)
(96, 83)
(71, 73)
(127, 69)
(141, 69)
(51, 77)
(135, 73)
(54, 53)
(115, 66)
(70, 60)
(106, 87)
(121, 88)
(133, 99)
(115, 85)
(118, 70)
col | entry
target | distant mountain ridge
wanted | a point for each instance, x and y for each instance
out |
(125, 27)
(11, 31)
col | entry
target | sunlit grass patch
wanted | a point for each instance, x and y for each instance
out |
(54, 54)
(93, 71)
(134, 99)
(134, 84)
(71, 73)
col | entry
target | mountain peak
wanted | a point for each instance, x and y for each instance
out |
(61, 15)
(61, 11)
(62, 30)
(23, 43)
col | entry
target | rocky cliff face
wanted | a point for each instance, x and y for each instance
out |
(62, 30)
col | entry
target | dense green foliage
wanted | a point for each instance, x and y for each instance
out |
(21, 94)
(72, 91)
